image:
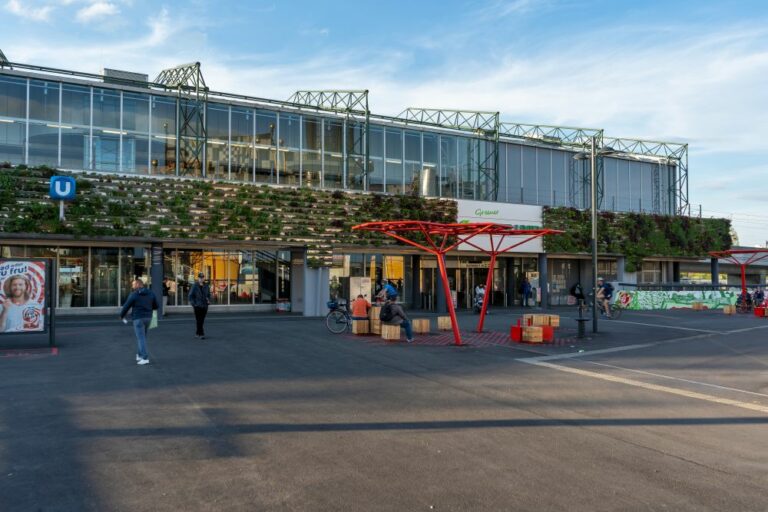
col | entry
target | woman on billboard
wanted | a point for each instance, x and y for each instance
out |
(18, 312)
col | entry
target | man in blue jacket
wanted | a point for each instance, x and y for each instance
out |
(142, 302)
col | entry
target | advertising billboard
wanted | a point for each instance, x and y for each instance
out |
(23, 296)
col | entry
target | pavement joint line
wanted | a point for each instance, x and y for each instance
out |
(668, 326)
(652, 387)
(689, 381)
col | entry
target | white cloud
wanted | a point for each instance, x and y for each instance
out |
(95, 11)
(31, 13)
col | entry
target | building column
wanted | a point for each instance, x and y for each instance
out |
(511, 281)
(621, 264)
(415, 282)
(675, 271)
(156, 274)
(714, 268)
(543, 280)
(298, 266)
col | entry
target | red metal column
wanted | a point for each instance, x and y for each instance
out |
(448, 298)
(743, 280)
(486, 298)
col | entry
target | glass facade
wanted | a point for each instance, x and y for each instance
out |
(107, 129)
(102, 276)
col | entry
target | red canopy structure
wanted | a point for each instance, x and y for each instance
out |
(441, 238)
(752, 256)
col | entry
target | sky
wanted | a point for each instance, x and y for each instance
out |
(680, 71)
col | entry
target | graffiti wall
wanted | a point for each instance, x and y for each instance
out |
(644, 300)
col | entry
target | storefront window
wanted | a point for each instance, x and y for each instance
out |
(243, 277)
(312, 143)
(189, 264)
(104, 277)
(73, 274)
(134, 264)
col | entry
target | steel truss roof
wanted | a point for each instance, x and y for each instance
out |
(352, 101)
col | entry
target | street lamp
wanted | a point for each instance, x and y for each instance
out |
(592, 155)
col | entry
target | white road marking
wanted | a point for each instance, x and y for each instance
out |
(696, 382)
(667, 326)
(746, 329)
(651, 387)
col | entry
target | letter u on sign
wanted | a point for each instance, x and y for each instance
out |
(62, 188)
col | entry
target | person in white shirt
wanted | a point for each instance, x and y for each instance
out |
(17, 291)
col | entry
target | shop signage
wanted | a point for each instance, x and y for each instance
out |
(62, 188)
(520, 216)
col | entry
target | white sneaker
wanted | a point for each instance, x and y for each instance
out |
(143, 361)
(138, 358)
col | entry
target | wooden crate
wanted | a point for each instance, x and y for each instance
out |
(390, 332)
(528, 319)
(421, 325)
(360, 326)
(374, 312)
(729, 309)
(444, 323)
(539, 320)
(554, 320)
(375, 326)
(697, 306)
(533, 335)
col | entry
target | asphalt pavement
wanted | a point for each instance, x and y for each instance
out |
(657, 411)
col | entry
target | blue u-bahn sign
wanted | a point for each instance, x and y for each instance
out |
(62, 188)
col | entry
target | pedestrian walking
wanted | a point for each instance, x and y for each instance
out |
(141, 302)
(526, 289)
(166, 289)
(199, 299)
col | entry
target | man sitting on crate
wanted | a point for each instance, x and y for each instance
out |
(360, 308)
(392, 313)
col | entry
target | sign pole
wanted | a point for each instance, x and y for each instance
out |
(51, 306)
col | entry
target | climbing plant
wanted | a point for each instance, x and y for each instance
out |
(636, 235)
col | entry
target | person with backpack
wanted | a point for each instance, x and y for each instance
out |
(142, 302)
(604, 294)
(392, 313)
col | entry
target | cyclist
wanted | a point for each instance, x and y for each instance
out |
(604, 294)
(360, 308)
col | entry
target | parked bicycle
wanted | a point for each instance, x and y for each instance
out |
(744, 303)
(338, 318)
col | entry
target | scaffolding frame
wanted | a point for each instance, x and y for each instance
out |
(188, 82)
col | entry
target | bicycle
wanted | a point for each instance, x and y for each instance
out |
(616, 309)
(338, 318)
(744, 304)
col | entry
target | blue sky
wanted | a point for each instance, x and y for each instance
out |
(687, 71)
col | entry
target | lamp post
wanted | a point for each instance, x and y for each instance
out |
(592, 155)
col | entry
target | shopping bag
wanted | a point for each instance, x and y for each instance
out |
(153, 322)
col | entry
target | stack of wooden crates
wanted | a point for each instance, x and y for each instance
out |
(375, 321)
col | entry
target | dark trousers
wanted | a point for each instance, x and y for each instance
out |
(200, 319)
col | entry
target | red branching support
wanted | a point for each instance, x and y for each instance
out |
(465, 234)
(753, 256)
